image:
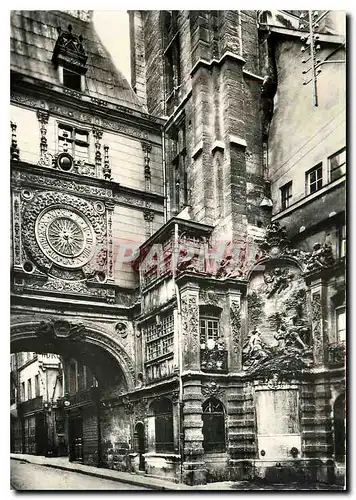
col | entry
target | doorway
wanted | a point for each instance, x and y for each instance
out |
(75, 438)
(140, 444)
(339, 429)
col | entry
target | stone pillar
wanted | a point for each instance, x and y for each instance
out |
(235, 340)
(316, 426)
(319, 315)
(193, 465)
(176, 421)
(138, 68)
(241, 430)
(190, 327)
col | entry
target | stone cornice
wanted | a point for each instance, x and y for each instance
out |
(58, 100)
(218, 62)
(47, 178)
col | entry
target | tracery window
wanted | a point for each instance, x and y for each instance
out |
(214, 426)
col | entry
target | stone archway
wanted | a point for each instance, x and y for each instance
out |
(52, 335)
(81, 408)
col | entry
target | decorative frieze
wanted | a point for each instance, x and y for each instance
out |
(109, 238)
(64, 111)
(61, 184)
(148, 215)
(147, 148)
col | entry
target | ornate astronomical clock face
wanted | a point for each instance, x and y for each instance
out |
(65, 236)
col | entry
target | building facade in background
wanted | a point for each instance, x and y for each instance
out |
(36, 390)
(181, 243)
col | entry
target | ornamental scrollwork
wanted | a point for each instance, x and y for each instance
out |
(235, 318)
(190, 330)
(212, 390)
(16, 214)
(316, 326)
(51, 331)
(277, 245)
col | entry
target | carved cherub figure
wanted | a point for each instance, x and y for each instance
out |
(321, 257)
(277, 280)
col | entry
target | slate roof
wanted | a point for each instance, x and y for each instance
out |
(33, 37)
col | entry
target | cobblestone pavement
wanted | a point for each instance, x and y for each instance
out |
(25, 476)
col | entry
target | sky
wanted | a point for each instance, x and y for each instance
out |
(112, 27)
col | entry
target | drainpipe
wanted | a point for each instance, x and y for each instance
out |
(164, 176)
(180, 353)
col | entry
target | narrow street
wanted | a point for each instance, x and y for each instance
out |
(25, 476)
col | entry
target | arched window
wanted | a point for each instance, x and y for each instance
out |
(339, 428)
(162, 411)
(213, 426)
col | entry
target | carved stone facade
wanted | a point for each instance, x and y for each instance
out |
(214, 331)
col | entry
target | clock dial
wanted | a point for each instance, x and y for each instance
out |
(65, 236)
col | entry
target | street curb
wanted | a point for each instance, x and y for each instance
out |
(100, 476)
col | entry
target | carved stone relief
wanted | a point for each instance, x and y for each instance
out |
(279, 340)
(212, 390)
(317, 327)
(235, 318)
(190, 331)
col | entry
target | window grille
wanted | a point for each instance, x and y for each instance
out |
(159, 337)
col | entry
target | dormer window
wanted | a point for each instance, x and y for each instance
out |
(70, 58)
(72, 80)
